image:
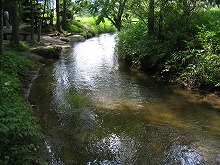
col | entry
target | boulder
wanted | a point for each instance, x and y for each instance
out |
(76, 38)
(48, 52)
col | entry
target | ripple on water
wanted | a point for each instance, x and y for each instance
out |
(95, 111)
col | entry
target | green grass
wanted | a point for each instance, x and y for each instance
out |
(87, 26)
(86, 19)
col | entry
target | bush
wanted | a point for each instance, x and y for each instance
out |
(140, 50)
(12, 64)
(198, 64)
(75, 28)
(204, 67)
(188, 52)
(131, 44)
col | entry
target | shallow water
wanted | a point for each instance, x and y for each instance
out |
(94, 111)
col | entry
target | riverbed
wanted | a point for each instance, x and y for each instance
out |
(94, 110)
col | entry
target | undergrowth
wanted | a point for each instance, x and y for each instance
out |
(190, 56)
(18, 47)
(19, 133)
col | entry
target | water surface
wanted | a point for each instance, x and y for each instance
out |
(96, 112)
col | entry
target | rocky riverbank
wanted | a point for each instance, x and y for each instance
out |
(48, 50)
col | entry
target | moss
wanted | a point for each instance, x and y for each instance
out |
(48, 52)
(20, 47)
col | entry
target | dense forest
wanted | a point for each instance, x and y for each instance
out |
(175, 40)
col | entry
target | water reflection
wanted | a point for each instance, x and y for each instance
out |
(122, 148)
(95, 111)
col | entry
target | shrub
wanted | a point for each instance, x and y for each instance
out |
(131, 44)
(204, 68)
(12, 63)
(142, 51)
(188, 52)
(198, 64)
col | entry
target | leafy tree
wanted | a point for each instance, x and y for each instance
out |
(162, 16)
(113, 10)
(164, 26)
(44, 21)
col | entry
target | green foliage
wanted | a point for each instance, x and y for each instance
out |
(209, 18)
(112, 10)
(19, 133)
(185, 49)
(102, 28)
(143, 51)
(20, 47)
(204, 67)
(131, 44)
(87, 27)
(12, 63)
(198, 64)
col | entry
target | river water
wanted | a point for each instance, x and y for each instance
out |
(95, 111)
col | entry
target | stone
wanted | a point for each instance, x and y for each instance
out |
(64, 39)
(76, 38)
(48, 52)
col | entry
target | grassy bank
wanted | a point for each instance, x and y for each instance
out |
(19, 133)
(188, 54)
(87, 26)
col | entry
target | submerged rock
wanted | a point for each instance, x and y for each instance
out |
(48, 52)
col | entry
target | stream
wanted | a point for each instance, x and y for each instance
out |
(95, 111)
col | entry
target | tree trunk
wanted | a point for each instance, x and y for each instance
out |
(151, 18)
(44, 11)
(120, 13)
(15, 23)
(58, 16)
(117, 22)
(1, 27)
(39, 29)
(64, 21)
(32, 19)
